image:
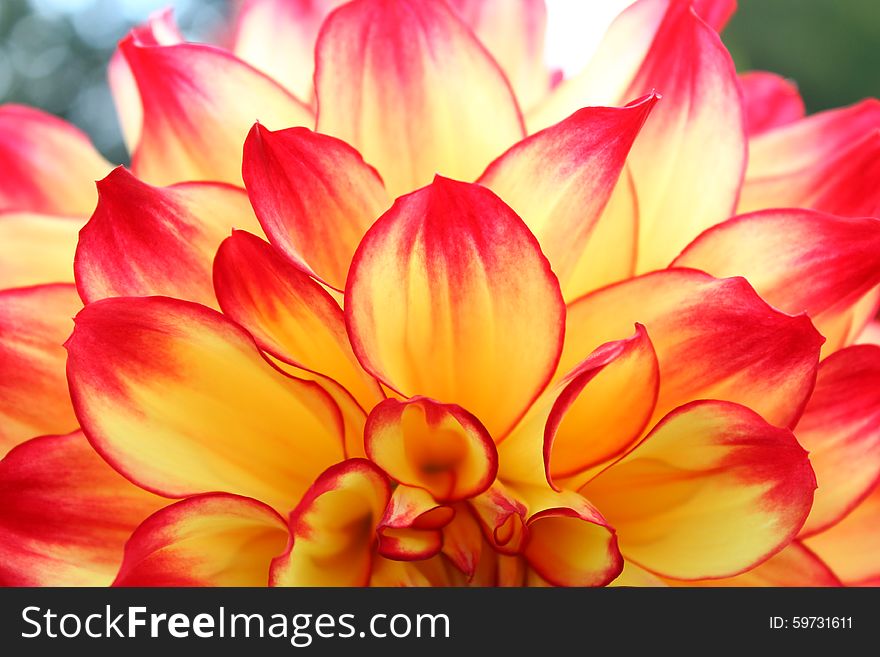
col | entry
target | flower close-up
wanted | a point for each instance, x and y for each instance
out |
(382, 299)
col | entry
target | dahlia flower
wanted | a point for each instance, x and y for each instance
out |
(383, 301)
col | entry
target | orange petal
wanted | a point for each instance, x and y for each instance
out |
(411, 528)
(796, 565)
(840, 428)
(513, 32)
(828, 161)
(178, 398)
(852, 547)
(390, 80)
(160, 30)
(711, 492)
(290, 315)
(314, 195)
(36, 249)
(798, 261)
(561, 179)
(278, 37)
(34, 323)
(503, 519)
(463, 542)
(198, 104)
(144, 240)
(593, 414)
(570, 544)
(208, 540)
(48, 165)
(65, 515)
(714, 339)
(333, 528)
(770, 101)
(438, 447)
(686, 62)
(449, 296)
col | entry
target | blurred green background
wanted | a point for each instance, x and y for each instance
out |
(53, 53)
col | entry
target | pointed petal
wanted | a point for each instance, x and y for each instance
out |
(65, 515)
(199, 103)
(712, 491)
(390, 81)
(593, 414)
(686, 63)
(797, 260)
(513, 32)
(714, 339)
(34, 323)
(438, 447)
(852, 547)
(502, 516)
(208, 540)
(178, 398)
(36, 249)
(828, 162)
(770, 101)
(715, 12)
(278, 37)
(411, 528)
(48, 165)
(463, 541)
(840, 428)
(570, 544)
(314, 195)
(450, 297)
(796, 565)
(332, 531)
(144, 240)
(561, 179)
(160, 30)
(290, 315)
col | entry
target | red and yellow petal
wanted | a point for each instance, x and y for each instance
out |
(438, 447)
(463, 541)
(34, 323)
(827, 161)
(570, 544)
(502, 516)
(851, 548)
(770, 100)
(159, 30)
(65, 514)
(513, 32)
(411, 528)
(314, 195)
(682, 186)
(712, 491)
(714, 339)
(144, 240)
(179, 399)
(333, 529)
(593, 414)
(198, 104)
(48, 165)
(278, 37)
(390, 80)
(209, 540)
(36, 249)
(289, 314)
(450, 297)
(798, 261)
(840, 428)
(796, 565)
(560, 181)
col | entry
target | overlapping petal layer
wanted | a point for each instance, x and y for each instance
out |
(391, 80)
(65, 514)
(714, 339)
(713, 491)
(34, 323)
(144, 240)
(450, 297)
(770, 101)
(179, 399)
